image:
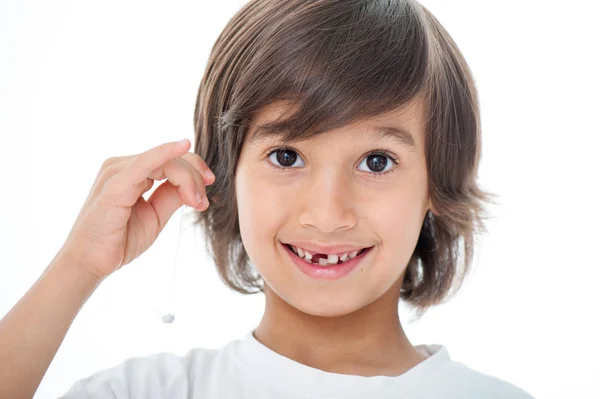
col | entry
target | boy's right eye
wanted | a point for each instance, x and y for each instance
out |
(283, 158)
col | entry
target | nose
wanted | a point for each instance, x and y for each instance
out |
(328, 205)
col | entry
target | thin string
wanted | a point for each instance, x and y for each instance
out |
(169, 317)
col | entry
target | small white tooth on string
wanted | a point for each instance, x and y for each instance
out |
(169, 317)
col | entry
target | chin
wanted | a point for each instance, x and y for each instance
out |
(324, 305)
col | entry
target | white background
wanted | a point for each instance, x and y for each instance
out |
(81, 81)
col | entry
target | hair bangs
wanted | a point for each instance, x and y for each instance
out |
(331, 71)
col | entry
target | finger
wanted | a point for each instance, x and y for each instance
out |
(125, 187)
(165, 201)
(184, 176)
(145, 163)
(199, 179)
(113, 160)
(200, 165)
(149, 185)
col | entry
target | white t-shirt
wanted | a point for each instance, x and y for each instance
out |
(245, 368)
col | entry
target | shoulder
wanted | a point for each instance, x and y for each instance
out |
(155, 376)
(465, 382)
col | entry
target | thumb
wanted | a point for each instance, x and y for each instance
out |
(165, 200)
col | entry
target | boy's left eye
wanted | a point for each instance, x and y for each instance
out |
(379, 162)
(376, 161)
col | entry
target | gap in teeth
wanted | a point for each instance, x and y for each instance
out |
(332, 259)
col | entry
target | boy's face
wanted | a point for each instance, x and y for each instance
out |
(333, 192)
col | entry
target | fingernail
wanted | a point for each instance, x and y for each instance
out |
(210, 174)
(182, 142)
(198, 197)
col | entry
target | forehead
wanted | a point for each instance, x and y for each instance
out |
(403, 125)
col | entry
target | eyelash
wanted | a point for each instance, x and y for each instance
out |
(385, 153)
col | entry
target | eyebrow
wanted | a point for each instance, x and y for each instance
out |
(397, 134)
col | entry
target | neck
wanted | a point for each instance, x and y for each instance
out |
(369, 341)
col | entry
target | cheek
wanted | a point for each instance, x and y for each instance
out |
(398, 224)
(260, 216)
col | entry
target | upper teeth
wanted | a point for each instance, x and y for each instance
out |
(332, 259)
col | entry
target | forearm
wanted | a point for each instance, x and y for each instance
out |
(33, 330)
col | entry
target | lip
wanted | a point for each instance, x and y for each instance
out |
(328, 273)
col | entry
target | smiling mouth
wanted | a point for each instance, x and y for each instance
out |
(322, 259)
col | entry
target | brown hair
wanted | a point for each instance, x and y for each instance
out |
(340, 61)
